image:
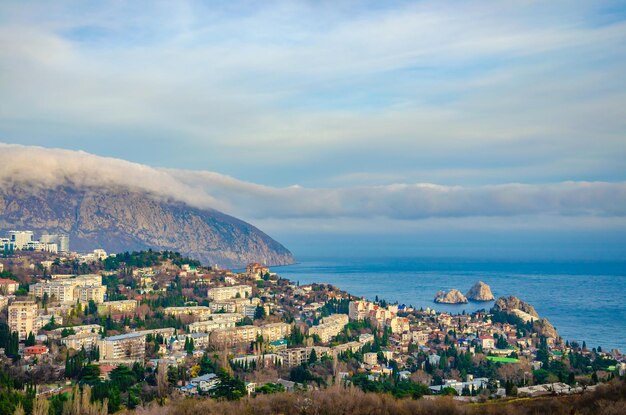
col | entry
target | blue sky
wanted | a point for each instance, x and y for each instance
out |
(328, 95)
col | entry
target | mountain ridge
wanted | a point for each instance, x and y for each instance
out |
(119, 218)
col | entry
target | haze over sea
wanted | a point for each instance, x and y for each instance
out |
(583, 299)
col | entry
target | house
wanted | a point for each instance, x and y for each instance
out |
(487, 342)
(35, 350)
(206, 382)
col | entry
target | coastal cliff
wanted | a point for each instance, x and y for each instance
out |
(527, 313)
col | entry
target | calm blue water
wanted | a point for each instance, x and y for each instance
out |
(584, 300)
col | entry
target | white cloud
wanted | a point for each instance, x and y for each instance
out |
(404, 202)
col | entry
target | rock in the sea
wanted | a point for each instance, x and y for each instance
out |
(450, 297)
(480, 292)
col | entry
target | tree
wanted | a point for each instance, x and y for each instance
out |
(30, 340)
(162, 382)
(312, 357)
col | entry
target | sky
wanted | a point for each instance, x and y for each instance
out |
(401, 126)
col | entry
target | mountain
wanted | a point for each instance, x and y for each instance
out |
(119, 218)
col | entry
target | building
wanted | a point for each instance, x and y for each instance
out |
(117, 307)
(256, 270)
(56, 291)
(45, 319)
(297, 356)
(225, 293)
(274, 331)
(130, 346)
(209, 326)
(89, 293)
(398, 324)
(61, 240)
(329, 327)
(82, 340)
(4, 302)
(198, 311)
(235, 335)
(8, 287)
(487, 342)
(20, 239)
(35, 350)
(206, 382)
(370, 358)
(22, 316)
(69, 290)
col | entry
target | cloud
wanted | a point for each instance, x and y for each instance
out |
(397, 202)
(418, 90)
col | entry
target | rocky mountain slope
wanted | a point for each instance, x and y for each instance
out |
(119, 219)
(480, 292)
(526, 312)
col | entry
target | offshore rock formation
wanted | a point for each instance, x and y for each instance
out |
(480, 292)
(527, 313)
(451, 297)
(121, 219)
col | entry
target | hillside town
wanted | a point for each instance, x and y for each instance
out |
(150, 326)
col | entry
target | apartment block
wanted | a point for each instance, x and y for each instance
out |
(56, 291)
(88, 293)
(7, 286)
(198, 311)
(22, 316)
(117, 307)
(43, 320)
(130, 346)
(329, 327)
(274, 331)
(209, 326)
(84, 340)
(225, 293)
(297, 356)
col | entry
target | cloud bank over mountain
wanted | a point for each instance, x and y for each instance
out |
(582, 201)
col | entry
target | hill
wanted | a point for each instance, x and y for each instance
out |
(119, 218)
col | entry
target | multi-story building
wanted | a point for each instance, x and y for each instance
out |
(129, 346)
(61, 240)
(88, 293)
(234, 335)
(43, 320)
(398, 324)
(68, 290)
(20, 239)
(256, 270)
(197, 311)
(4, 302)
(274, 331)
(57, 291)
(84, 329)
(297, 356)
(225, 293)
(117, 307)
(370, 358)
(22, 316)
(7, 286)
(329, 327)
(83, 340)
(209, 326)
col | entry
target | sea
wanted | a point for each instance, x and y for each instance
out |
(584, 300)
